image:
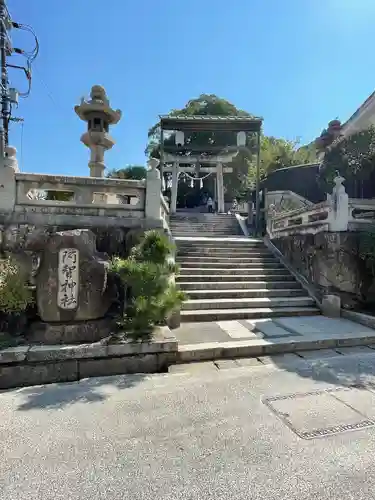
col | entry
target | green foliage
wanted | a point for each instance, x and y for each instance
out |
(59, 195)
(353, 156)
(366, 249)
(132, 172)
(147, 273)
(15, 295)
(278, 153)
(154, 247)
(275, 153)
(204, 105)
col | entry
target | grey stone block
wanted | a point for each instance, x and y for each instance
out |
(147, 363)
(331, 306)
(37, 374)
(14, 354)
(61, 352)
(70, 333)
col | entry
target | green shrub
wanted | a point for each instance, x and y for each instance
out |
(15, 295)
(153, 247)
(147, 275)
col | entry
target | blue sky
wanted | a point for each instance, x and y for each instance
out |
(297, 63)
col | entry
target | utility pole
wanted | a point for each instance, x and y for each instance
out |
(4, 122)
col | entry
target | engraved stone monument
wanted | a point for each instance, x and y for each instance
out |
(72, 290)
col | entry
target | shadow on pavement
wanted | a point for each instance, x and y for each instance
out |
(356, 367)
(59, 396)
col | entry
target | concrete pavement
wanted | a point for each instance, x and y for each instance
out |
(254, 337)
(220, 432)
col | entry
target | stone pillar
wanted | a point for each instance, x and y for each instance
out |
(220, 188)
(339, 201)
(96, 164)
(153, 190)
(8, 169)
(174, 188)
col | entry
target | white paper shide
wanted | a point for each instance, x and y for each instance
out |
(68, 276)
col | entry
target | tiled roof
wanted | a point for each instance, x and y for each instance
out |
(211, 118)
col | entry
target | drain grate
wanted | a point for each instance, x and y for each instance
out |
(336, 430)
(323, 413)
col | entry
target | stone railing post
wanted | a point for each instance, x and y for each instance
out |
(339, 201)
(271, 213)
(153, 190)
(8, 169)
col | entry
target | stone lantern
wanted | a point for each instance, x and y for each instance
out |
(99, 115)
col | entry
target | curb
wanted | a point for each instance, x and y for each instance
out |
(260, 347)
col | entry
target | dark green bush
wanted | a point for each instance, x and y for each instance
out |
(147, 274)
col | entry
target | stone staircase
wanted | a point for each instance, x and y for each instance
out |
(204, 224)
(228, 277)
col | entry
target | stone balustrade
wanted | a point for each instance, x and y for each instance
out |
(57, 200)
(320, 218)
(337, 214)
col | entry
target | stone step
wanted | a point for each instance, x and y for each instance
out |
(200, 228)
(198, 242)
(216, 234)
(203, 218)
(238, 293)
(235, 272)
(274, 264)
(224, 260)
(237, 285)
(218, 252)
(235, 314)
(268, 277)
(246, 303)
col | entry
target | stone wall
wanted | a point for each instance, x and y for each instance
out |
(332, 263)
(110, 240)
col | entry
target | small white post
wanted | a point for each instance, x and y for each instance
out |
(339, 201)
(220, 188)
(174, 187)
(8, 169)
(153, 190)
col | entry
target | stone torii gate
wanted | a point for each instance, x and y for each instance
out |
(215, 166)
(174, 158)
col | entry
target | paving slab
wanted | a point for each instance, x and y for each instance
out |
(269, 328)
(319, 324)
(201, 367)
(245, 362)
(226, 364)
(279, 359)
(319, 353)
(193, 333)
(241, 329)
(359, 349)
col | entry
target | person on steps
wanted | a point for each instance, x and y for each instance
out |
(210, 205)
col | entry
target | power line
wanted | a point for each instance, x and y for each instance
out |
(9, 96)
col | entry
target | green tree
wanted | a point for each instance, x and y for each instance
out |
(134, 172)
(211, 105)
(275, 152)
(353, 157)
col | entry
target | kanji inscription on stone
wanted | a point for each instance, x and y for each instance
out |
(68, 278)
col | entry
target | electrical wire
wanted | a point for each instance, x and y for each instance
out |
(29, 55)
(22, 124)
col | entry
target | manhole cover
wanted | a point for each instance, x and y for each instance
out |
(323, 413)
